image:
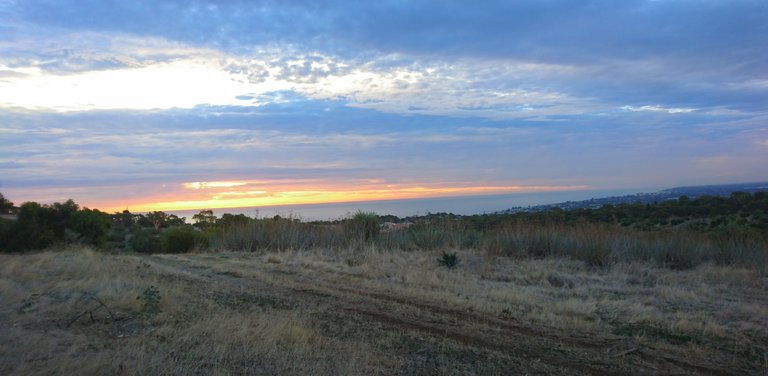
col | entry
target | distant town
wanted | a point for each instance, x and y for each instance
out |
(646, 198)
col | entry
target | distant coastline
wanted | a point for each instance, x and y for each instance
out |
(463, 205)
(485, 204)
(691, 192)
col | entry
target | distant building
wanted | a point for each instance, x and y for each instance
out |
(11, 213)
(392, 226)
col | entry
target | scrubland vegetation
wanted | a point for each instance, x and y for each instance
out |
(677, 234)
(679, 287)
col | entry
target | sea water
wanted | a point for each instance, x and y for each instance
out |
(464, 205)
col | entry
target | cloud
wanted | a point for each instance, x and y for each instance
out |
(125, 96)
(193, 78)
(214, 144)
(213, 184)
(526, 59)
(657, 108)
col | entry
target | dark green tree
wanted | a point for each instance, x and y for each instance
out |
(91, 225)
(5, 205)
(174, 220)
(7, 227)
(232, 220)
(125, 218)
(158, 219)
(204, 218)
(32, 229)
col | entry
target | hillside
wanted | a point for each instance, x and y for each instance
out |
(375, 313)
(691, 192)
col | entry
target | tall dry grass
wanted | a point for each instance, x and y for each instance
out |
(279, 235)
(602, 245)
(596, 244)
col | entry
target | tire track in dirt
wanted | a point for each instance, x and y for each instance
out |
(484, 343)
(603, 342)
(649, 354)
(584, 355)
(489, 320)
(516, 345)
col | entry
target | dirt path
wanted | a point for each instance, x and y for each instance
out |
(521, 347)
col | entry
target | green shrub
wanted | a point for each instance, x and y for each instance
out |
(179, 239)
(449, 260)
(41, 226)
(143, 240)
(6, 231)
(150, 299)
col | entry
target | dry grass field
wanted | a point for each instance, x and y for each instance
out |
(78, 311)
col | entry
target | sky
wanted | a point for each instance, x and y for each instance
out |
(169, 105)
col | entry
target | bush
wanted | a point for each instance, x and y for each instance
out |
(449, 260)
(150, 299)
(362, 227)
(6, 231)
(143, 240)
(426, 236)
(179, 239)
(42, 226)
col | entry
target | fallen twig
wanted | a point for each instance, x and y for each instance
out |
(91, 311)
(626, 352)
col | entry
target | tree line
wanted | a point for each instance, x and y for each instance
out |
(740, 210)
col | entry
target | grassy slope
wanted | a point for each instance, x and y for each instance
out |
(371, 312)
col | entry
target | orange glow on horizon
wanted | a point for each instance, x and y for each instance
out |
(225, 195)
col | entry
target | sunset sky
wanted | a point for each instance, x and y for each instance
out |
(167, 105)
